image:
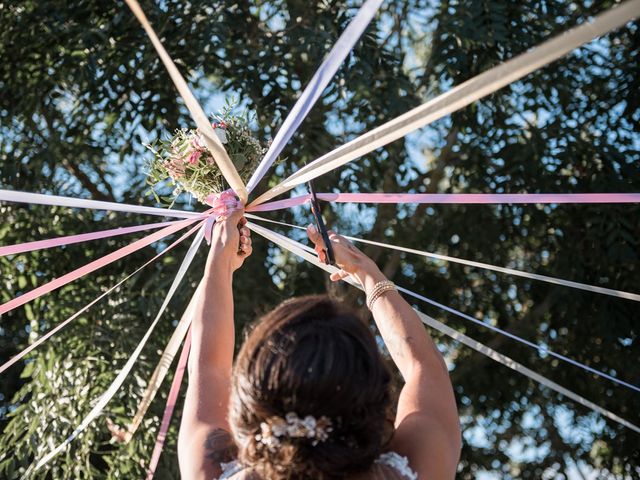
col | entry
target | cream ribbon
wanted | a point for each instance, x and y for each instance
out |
(58, 201)
(164, 365)
(309, 255)
(485, 266)
(104, 399)
(460, 96)
(200, 118)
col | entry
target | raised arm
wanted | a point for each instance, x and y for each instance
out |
(204, 439)
(427, 421)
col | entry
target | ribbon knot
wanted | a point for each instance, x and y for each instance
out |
(222, 205)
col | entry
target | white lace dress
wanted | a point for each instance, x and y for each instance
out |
(388, 466)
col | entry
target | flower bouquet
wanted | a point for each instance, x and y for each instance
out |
(186, 163)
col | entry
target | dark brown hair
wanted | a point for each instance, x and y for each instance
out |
(311, 356)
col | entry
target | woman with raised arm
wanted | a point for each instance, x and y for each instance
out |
(308, 397)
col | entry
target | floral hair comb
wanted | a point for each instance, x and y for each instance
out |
(292, 426)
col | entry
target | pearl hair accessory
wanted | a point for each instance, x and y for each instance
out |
(292, 426)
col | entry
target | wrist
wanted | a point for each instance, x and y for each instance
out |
(219, 266)
(368, 275)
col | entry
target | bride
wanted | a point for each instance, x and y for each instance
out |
(309, 396)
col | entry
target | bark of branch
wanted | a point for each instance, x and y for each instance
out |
(86, 182)
(70, 166)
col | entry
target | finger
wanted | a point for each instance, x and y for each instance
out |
(315, 236)
(339, 275)
(246, 250)
(243, 220)
(245, 240)
(244, 231)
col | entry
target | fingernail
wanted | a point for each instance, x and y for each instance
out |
(312, 228)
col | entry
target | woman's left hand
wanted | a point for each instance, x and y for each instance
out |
(230, 242)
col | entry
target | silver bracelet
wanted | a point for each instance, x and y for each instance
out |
(379, 289)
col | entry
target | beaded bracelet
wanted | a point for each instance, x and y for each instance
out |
(377, 290)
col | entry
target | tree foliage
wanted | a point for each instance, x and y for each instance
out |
(81, 91)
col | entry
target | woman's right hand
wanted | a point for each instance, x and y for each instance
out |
(351, 261)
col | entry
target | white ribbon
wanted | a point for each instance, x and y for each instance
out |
(119, 380)
(66, 322)
(199, 117)
(306, 253)
(460, 96)
(164, 364)
(316, 86)
(509, 271)
(541, 350)
(58, 201)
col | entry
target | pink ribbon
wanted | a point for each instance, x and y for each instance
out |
(63, 324)
(223, 204)
(171, 403)
(71, 239)
(95, 265)
(453, 198)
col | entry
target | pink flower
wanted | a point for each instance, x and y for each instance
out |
(194, 157)
(195, 142)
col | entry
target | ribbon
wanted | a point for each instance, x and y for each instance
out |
(58, 201)
(92, 266)
(316, 86)
(509, 271)
(199, 117)
(518, 367)
(172, 399)
(119, 380)
(223, 204)
(541, 350)
(309, 254)
(163, 366)
(452, 198)
(460, 96)
(63, 324)
(71, 239)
